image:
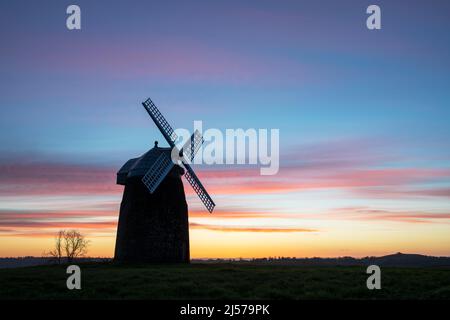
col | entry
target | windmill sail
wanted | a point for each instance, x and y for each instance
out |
(191, 146)
(158, 171)
(163, 164)
(193, 180)
(160, 122)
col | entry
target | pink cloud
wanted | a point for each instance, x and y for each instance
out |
(292, 179)
(355, 167)
(47, 178)
(14, 215)
(405, 192)
(366, 213)
(56, 179)
(387, 177)
(174, 60)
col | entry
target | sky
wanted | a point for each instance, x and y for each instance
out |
(363, 118)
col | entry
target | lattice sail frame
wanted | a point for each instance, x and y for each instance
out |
(191, 146)
(160, 122)
(157, 172)
(194, 181)
(163, 164)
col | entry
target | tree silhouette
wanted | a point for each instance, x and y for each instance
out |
(69, 244)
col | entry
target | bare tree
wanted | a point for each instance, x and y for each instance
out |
(70, 244)
(57, 252)
(75, 245)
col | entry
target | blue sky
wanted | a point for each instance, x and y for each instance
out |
(348, 101)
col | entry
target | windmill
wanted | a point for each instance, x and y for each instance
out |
(153, 222)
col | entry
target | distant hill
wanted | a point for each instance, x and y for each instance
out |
(408, 260)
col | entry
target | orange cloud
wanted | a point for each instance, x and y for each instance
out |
(246, 228)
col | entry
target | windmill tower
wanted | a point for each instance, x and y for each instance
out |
(153, 221)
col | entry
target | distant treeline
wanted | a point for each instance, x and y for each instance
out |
(16, 262)
(394, 260)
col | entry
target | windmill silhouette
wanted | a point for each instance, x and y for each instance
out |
(153, 222)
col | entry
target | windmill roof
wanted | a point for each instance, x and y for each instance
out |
(138, 167)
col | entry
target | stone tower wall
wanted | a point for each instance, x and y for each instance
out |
(153, 227)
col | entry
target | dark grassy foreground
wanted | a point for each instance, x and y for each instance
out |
(222, 281)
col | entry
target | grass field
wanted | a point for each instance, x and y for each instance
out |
(222, 281)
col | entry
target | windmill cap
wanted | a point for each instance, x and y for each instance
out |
(138, 167)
